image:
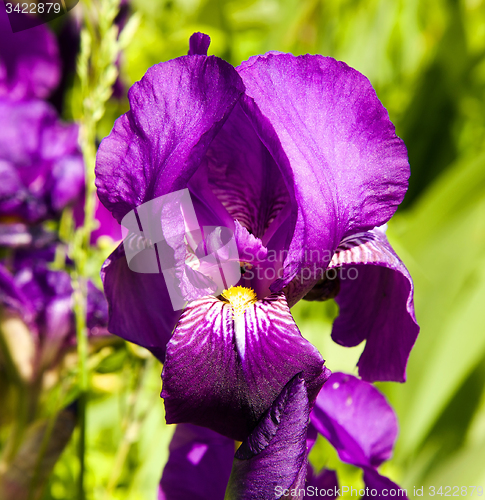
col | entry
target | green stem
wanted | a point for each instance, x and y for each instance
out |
(134, 422)
(44, 445)
(83, 380)
(97, 72)
(27, 393)
(20, 426)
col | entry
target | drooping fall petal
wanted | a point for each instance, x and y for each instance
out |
(224, 369)
(376, 304)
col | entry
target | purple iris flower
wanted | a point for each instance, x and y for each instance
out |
(37, 311)
(358, 421)
(298, 158)
(41, 167)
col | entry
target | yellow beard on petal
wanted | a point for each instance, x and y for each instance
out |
(240, 298)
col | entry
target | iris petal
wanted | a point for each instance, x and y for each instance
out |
(383, 486)
(357, 420)
(199, 465)
(348, 168)
(376, 303)
(223, 372)
(244, 176)
(176, 110)
(139, 305)
(326, 479)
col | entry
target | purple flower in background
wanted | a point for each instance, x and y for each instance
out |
(358, 421)
(41, 168)
(37, 312)
(296, 156)
(29, 61)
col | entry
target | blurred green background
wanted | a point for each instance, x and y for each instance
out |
(426, 60)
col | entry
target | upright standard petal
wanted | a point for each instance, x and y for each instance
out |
(348, 168)
(375, 300)
(198, 466)
(357, 420)
(199, 44)
(29, 61)
(175, 112)
(271, 462)
(225, 367)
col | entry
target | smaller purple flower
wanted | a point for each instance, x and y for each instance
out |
(29, 61)
(361, 425)
(37, 311)
(41, 168)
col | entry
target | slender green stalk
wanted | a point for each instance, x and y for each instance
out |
(44, 445)
(19, 428)
(97, 72)
(26, 394)
(133, 423)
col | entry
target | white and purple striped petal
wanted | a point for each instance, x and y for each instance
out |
(224, 369)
